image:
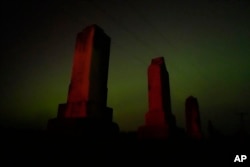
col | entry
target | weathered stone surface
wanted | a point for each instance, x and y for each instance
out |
(87, 93)
(159, 118)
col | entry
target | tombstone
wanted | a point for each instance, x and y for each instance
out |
(86, 105)
(159, 120)
(193, 124)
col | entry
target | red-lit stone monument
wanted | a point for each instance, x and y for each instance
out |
(87, 94)
(193, 124)
(159, 120)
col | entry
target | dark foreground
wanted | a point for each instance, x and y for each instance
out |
(39, 147)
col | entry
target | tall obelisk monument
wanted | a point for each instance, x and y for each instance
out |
(193, 123)
(87, 93)
(159, 120)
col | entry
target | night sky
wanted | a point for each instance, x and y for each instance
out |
(206, 46)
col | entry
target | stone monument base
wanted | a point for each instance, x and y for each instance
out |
(86, 127)
(153, 132)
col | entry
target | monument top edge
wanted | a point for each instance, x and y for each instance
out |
(93, 26)
(191, 97)
(158, 60)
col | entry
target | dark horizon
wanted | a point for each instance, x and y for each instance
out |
(205, 46)
(218, 133)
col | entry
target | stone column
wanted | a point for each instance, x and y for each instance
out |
(158, 118)
(86, 105)
(193, 124)
(87, 94)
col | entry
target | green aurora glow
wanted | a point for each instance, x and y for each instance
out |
(206, 49)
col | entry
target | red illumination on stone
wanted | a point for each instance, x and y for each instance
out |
(86, 110)
(193, 124)
(87, 94)
(158, 118)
